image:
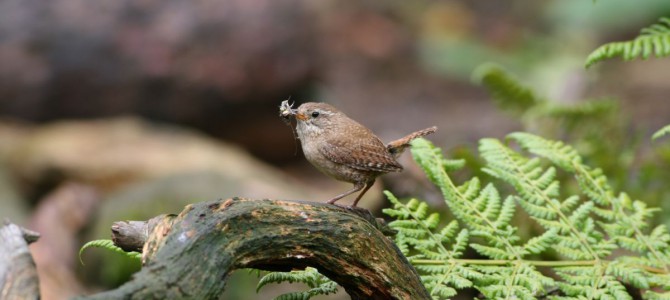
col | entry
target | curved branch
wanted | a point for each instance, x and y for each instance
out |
(191, 255)
(18, 275)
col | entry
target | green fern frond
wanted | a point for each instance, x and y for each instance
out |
(578, 236)
(540, 243)
(518, 281)
(626, 220)
(507, 91)
(654, 39)
(510, 94)
(478, 208)
(324, 289)
(661, 132)
(590, 282)
(592, 182)
(583, 109)
(109, 245)
(417, 232)
(650, 295)
(318, 284)
(538, 195)
(557, 152)
(622, 268)
(487, 217)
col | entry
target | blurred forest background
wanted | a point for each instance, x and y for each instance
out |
(116, 110)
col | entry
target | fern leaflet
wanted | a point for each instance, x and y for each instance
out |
(661, 132)
(109, 245)
(654, 39)
(318, 284)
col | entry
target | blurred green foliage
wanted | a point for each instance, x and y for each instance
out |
(597, 128)
(547, 40)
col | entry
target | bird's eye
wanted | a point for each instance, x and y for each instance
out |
(315, 114)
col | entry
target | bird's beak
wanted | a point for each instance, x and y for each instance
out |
(301, 117)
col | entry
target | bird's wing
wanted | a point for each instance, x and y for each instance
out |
(366, 154)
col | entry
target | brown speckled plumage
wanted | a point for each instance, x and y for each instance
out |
(346, 150)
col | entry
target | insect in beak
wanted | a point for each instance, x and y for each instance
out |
(286, 111)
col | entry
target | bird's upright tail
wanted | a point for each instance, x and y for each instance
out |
(398, 146)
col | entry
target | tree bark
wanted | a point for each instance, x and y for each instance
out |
(18, 275)
(190, 255)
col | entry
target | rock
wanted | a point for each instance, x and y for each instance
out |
(114, 153)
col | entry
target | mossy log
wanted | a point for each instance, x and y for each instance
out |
(190, 255)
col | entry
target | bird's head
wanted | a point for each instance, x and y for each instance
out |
(316, 117)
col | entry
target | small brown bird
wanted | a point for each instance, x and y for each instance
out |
(344, 149)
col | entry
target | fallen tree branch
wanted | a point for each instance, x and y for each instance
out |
(190, 255)
(18, 275)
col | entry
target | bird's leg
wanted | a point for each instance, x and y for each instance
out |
(357, 187)
(368, 185)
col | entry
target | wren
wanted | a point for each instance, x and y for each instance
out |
(344, 149)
